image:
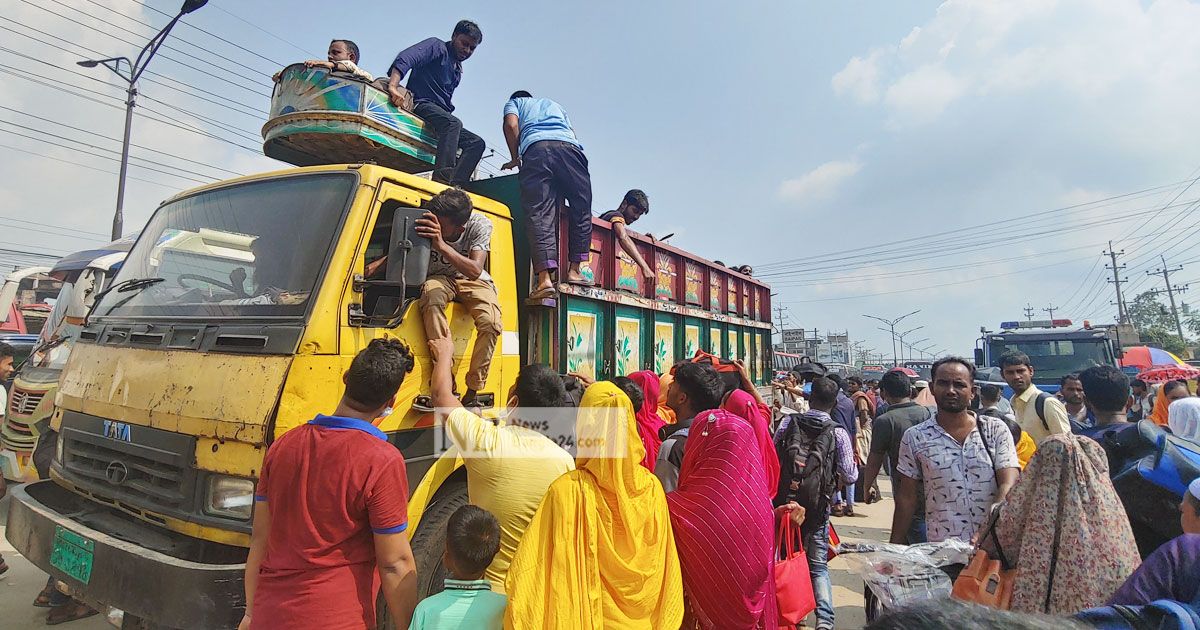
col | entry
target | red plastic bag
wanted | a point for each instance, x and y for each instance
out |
(835, 543)
(793, 582)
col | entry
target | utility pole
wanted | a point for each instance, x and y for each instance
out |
(1050, 309)
(891, 324)
(1166, 274)
(780, 317)
(1122, 313)
(1028, 312)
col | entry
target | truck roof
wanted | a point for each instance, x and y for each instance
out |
(369, 173)
(1051, 334)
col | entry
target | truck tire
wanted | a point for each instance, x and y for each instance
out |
(427, 546)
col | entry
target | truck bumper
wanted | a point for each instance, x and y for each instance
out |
(152, 585)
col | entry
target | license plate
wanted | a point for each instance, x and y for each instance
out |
(72, 554)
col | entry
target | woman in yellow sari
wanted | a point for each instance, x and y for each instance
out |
(599, 552)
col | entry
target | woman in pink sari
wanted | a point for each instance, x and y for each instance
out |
(724, 528)
(744, 406)
(648, 421)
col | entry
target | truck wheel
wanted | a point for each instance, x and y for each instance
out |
(427, 545)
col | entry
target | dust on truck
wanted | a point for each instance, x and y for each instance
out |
(233, 319)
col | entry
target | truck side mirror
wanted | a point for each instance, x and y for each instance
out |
(978, 357)
(408, 253)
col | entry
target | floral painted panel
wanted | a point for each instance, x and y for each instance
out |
(629, 345)
(664, 346)
(581, 343)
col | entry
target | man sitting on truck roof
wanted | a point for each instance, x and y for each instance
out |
(510, 467)
(331, 509)
(460, 240)
(553, 167)
(436, 69)
(633, 206)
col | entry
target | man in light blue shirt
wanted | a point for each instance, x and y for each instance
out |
(543, 144)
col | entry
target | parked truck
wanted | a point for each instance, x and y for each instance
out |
(1055, 348)
(232, 320)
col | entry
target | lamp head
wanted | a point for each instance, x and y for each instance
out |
(88, 63)
(191, 5)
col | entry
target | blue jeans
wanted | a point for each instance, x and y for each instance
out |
(817, 549)
(846, 496)
(916, 530)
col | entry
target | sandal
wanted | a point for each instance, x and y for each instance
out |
(543, 293)
(423, 404)
(837, 510)
(43, 598)
(71, 611)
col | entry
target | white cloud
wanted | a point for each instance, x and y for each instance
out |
(821, 182)
(860, 78)
(922, 95)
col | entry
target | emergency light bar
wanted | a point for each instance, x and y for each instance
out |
(1037, 323)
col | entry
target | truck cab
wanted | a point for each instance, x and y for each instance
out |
(1056, 348)
(232, 320)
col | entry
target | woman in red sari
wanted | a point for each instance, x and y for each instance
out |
(744, 406)
(724, 528)
(648, 420)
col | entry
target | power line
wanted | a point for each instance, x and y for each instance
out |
(179, 37)
(241, 19)
(76, 149)
(98, 135)
(163, 55)
(227, 102)
(87, 166)
(1040, 215)
(61, 227)
(178, 124)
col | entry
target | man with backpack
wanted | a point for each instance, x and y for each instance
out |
(815, 454)
(1039, 414)
(697, 387)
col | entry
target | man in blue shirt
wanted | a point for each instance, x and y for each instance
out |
(436, 69)
(543, 144)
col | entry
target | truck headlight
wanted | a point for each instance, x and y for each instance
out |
(229, 496)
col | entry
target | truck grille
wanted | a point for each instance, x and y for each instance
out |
(136, 466)
(144, 478)
(24, 402)
(17, 435)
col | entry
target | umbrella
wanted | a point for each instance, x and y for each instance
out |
(1145, 357)
(1166, 373)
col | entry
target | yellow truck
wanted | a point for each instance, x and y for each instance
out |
(232, 320)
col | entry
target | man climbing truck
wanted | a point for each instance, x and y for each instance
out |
(232, 321)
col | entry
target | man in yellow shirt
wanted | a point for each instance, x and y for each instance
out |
(1039, 414)
(509, 467)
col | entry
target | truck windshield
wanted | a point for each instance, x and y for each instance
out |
(1055, 359)
(249, 250)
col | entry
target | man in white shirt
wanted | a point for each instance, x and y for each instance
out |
(1039, 414)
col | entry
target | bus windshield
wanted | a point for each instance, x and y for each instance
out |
(249, 250)
(1055, 359)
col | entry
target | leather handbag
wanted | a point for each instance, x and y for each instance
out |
(793, 583)
(986, 581)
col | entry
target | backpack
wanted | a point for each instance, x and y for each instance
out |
(1039, 405)
(808, 465)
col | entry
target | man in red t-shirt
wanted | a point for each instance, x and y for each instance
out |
(331, 508)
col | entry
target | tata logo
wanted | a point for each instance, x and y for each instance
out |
(117, 431)
(116, 473)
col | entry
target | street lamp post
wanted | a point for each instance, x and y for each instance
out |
(905, 334)
(912, 347)
(136, 68)
(891, 324)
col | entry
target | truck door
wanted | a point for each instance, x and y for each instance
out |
(583, 338)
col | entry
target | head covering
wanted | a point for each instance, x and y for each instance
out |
(648, 422)
(1184, 418)
(1194, 488)
(744, 406)
(1160, 414)
(599, 553)
(724, 526)
(666, 413)
(1065, 495)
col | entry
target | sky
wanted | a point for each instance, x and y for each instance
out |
(965, 158)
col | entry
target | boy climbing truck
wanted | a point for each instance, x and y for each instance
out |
(232, 321)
